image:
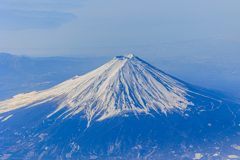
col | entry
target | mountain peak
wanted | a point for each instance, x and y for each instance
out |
(129, 56)
(118, 87)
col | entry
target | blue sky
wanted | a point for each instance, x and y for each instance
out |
(73, 27)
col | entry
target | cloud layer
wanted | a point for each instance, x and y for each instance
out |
(21, 19)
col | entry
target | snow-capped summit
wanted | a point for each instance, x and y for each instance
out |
(125, 84)
(125, 109)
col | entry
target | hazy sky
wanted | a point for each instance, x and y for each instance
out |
(57, 27)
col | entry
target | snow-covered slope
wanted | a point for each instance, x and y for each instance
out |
(125, 84)
(126, 109)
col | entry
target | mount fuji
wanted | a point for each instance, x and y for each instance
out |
(125, 109)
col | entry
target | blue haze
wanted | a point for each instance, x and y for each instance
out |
(111, 24)
(196, 41)
(22, 20)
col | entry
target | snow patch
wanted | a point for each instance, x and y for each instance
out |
(6, 156)
(235, 146)
(93, 157)
(137, 147)
(41, 136)
(216, 154)
(6, 118)
(232, 156)
(110, 149)
(198, 156)
(130, 56)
